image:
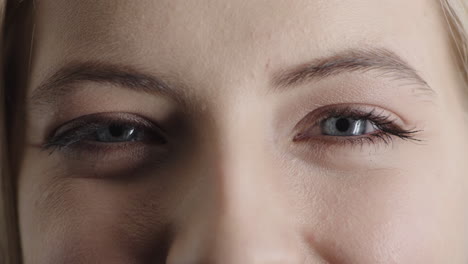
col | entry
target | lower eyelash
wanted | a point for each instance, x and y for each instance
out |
(388, 130)
(385, 135)
(360, 143)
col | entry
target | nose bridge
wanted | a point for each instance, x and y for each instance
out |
(246, 184)
(246, 219)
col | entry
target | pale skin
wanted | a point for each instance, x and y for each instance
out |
(234, 180)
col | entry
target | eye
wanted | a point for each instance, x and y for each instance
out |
(343, 126)
(119, 133)
(352, 124)
(106, 129)
(109, 145)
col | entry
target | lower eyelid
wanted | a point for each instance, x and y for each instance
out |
(113, 164)
(97, 154)
(346, 140)
(330, 151)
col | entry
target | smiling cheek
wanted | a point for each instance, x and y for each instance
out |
(404, 215)
(407, 213)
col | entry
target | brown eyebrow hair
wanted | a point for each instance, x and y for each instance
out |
(381, 60)
(65, 79)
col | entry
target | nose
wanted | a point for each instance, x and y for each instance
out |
(239, 216)
(247, 228)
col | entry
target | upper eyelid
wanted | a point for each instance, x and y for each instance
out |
(337, 109)
(109, 117)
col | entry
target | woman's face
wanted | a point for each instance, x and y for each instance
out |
(260, 131)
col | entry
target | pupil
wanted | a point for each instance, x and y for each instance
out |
(116, 131)
(342, 125)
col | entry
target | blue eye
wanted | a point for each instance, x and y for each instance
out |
(106, 128)
(351, 124)
(346, 127)
(118, 133)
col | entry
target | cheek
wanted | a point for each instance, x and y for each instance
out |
(104, 228)
(410, 213)
(407, 215)
(92, 221)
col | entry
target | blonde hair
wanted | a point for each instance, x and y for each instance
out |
(456, 13)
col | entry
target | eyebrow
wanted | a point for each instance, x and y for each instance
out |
(65, 80)
(381, 60)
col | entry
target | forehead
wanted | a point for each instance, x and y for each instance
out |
(233, 38)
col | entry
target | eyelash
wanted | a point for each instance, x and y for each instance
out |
(74, 138)
(84, 127)
(386, 125)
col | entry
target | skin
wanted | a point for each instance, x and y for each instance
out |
(231, 185)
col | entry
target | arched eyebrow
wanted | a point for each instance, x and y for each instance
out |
(386, 62)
